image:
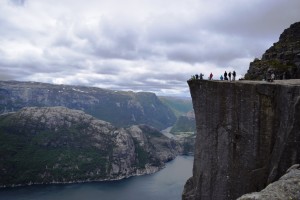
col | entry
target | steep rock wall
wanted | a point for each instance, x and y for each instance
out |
(248, 134)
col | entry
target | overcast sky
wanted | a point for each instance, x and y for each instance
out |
(139, 45)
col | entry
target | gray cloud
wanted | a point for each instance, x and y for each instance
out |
(18, 2)
(136, 45)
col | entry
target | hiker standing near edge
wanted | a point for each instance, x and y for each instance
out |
(229, 75)
(233, 74)
(225, 76)
(210, 76)
(272, 77)
(201, 76)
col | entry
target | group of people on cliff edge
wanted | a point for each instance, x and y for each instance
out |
(233, 75)
(227, 77)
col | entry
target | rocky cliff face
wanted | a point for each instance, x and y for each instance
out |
(248, 135)
(283, 57)
(56, 144)
(119, 108)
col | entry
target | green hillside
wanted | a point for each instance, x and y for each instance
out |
(180, 106)
(56, 144)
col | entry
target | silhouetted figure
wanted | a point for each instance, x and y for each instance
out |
(225, 76)
(221, 78)
(201, 76)
(211, 76)
(229, 75)
(196, 75)
(233, 75)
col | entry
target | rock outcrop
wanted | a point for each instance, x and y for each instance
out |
(117, 107)
(248, 135)
(59, 145)
(283, 58)
(287, 187)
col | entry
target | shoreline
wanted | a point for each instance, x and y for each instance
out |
(148, 171)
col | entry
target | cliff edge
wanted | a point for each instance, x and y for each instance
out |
(248, 135)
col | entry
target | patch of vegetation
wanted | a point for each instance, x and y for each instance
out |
(142, 156)
(45, 156)
(262, 66)
(278, 66)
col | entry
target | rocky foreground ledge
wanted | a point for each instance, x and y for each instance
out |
(248, 135)
(287, 187)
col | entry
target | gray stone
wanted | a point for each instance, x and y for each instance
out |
(287, 187)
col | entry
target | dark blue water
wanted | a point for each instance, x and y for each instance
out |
(166, 184)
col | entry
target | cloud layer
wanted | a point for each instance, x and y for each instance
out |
(138, 45)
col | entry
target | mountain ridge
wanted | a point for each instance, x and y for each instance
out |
(117, 107)
(59, 145)
(282, 58)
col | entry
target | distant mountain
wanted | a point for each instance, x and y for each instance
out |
(117, 107)
(57, 144)
(283, 58)
(183, 109)
(185, 123)
(179, 105)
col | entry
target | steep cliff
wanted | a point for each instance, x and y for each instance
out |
(117, 107)
(248, 135)
(283, 58)
(56, 144)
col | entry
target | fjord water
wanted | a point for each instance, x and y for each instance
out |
(166, 184)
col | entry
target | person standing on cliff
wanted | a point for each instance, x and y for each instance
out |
(210, 76)
(229, 75)
(225, 76)
(201, 76)
(233, 75)
(221, 77)
(272, 77)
